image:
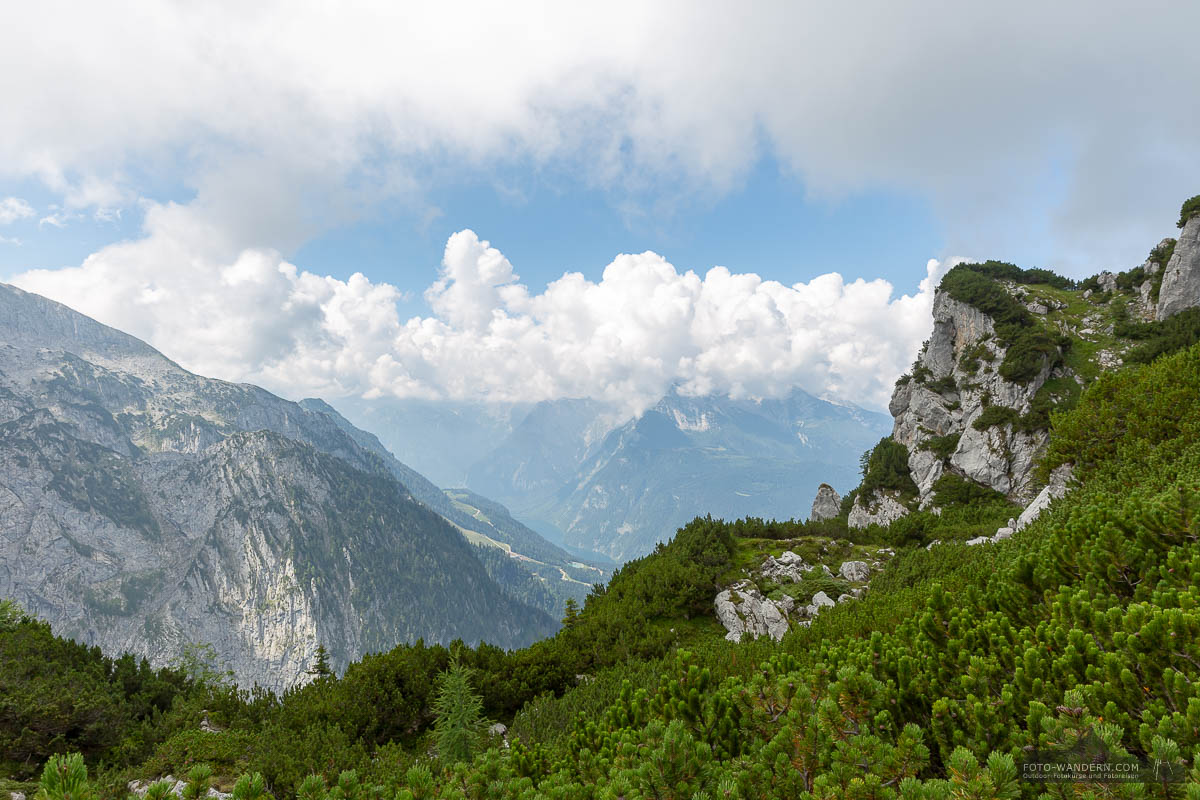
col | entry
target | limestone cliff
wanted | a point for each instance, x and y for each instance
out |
(1180, 288)
(144, 508)
(976, 404)
(959, 381)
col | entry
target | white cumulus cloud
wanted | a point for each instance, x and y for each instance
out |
(643, 327)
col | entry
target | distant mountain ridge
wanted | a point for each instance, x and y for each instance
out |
(568, 472)
(691, 456)
(143, 507)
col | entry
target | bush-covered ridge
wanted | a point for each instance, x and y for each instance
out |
(1190, 208)
(1031, 348)
(932, 686)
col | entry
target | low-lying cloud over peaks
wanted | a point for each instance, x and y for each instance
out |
(625, 339)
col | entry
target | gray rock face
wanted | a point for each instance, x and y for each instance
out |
(1060, 484)
(743, 609)
(789, 567)
(826, 505)
(1181, 280)
(1107, 281)
(857, 571)
(882, 509)
(997, 457)
(144, 508)
(820, 600)
(1144, 305)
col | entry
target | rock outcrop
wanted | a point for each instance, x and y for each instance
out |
(788, 567)
(1060, 484)
(820, 600)
(1181, 281)
(140, 788)
(962, 359)
(742, 608)
(826, 505)
(883, 508)
(857, 571)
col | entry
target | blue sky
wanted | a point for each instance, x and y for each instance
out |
(271, 193)
(551, 223)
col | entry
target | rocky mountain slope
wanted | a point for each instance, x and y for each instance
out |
(1010, 345)
(145, 508)
(971, 424)
(488, 524)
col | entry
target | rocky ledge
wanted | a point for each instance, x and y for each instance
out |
(774, 599)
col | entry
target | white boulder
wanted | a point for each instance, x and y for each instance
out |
(855, 571)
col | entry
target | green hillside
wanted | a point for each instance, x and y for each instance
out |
(940, 682)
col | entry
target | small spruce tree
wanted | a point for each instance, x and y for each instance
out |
(572, 615)
(321, 668)
(459, 715)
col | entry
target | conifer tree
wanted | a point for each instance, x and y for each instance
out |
(321, 668)
(199, 781)
(572, 615)
(459, 715)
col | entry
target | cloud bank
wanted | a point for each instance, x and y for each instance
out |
(1074, 120)
(625, 339)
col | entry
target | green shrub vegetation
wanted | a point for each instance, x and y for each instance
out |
(1002, 270)
(951, 489)
(885, 467)
(944, 385)
(1130, 279)
(941, 446)
(1030, 347)
(993, 416)
(937, 684)
(1161, 337)
(1190, 208)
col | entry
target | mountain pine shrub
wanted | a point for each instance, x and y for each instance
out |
(1190, 208)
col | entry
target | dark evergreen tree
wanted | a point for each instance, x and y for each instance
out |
(320, 668)
(459, 715)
